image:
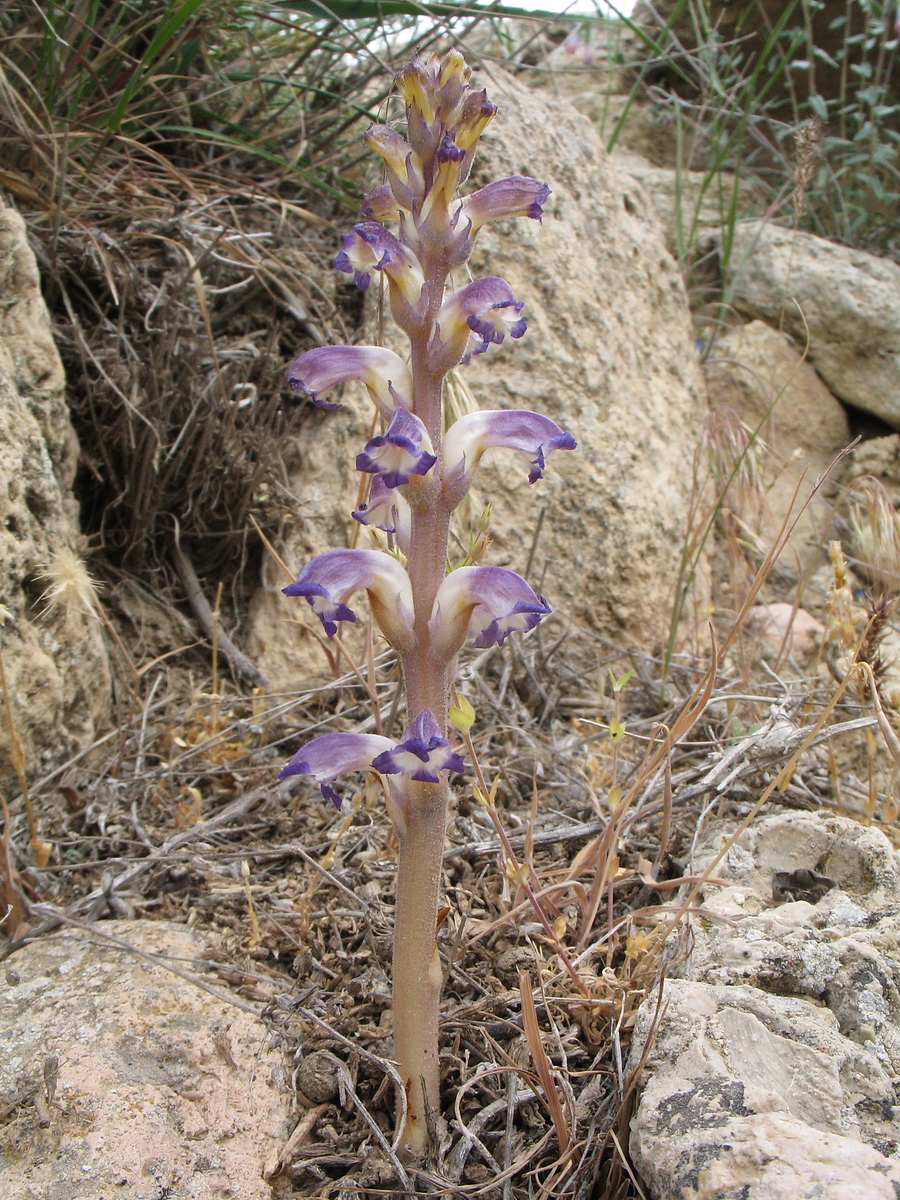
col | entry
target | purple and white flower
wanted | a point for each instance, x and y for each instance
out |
(420, 756)
(384, 373)
(515, 196)
(386, 509)
(486, 309)
(328, 580)
(404, 449)
(486, 604)
(369, 247)
(334, 754)
(515, 429)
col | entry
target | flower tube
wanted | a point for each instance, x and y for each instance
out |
(484, 603)
(334, 754)
(515, 429)
(384, 373)
(515, 196)
(328, 580)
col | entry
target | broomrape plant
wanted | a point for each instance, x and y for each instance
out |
(420, 473)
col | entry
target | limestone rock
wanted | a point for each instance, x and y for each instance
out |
(850, 301)
(160, 1088)
(755, 371)
(750, 1095)
(879, 457)
(776, 1065)
(55, 664)
(608, 354)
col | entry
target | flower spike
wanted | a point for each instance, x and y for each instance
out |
(328, 580)
(420, 471)
(484, 603)
(384, 373)
(404, 449)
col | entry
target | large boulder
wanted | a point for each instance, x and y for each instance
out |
(751, 1095)
(609, 354)
(848, 300)
(54, 660)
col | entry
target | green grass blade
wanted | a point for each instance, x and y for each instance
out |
(366, 10)
(168, 29)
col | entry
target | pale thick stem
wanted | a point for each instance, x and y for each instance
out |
(421, 829)
(417, 967)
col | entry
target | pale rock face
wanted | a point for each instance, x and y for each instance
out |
(608, 354)
(776, 1063)
(755, 371)
(162, 1089)
(850, 301)
(55, 664)
(685, 203)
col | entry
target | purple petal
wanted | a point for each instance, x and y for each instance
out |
(516, 429)
(383, 372)
(484, 603)
(329, 579)
(422, 753)
(515, 196)
(404, 449)
(448, 151)
(334, 754)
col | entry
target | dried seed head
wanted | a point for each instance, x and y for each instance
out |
(70, 586)
(806, 151)
(875, 527)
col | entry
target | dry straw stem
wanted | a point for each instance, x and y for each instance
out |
(542, 1064)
